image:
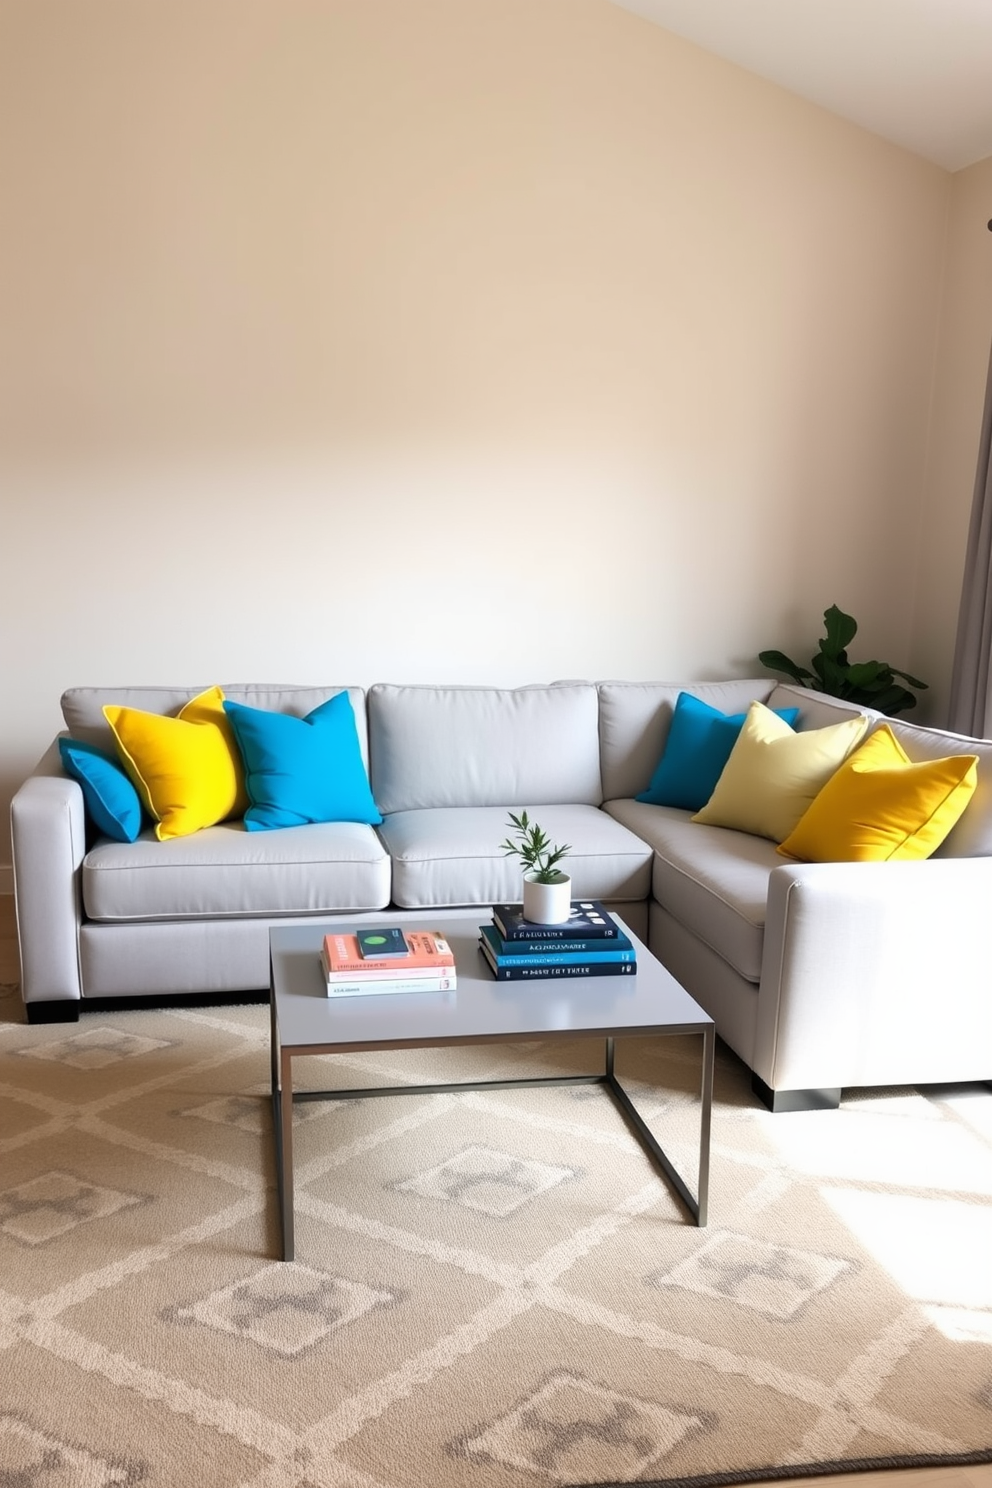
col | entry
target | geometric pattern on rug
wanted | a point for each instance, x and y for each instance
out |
(250, 1112)
(243, 1111)
(95, 1048)
(286, 1310)
(50, 1205)
(33, 1459)
(494, 1183)
(494, 1287)
(774, 1279)
(570, 1426)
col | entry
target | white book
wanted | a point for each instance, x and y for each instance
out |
(441, 982)
(407, 974)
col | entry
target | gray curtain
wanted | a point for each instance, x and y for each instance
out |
(970, 709)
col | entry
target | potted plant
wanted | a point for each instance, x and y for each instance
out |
(869, 683)
(547, 891)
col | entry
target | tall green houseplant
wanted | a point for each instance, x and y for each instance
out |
(870, 684)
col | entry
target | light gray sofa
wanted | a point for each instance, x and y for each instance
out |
(819, 976)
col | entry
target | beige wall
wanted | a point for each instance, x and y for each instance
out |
(447, 339)
(962, 366)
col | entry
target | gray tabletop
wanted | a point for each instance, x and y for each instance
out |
(480, 1008)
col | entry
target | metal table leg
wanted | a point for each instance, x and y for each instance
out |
(281, 1075)
(696, 1205)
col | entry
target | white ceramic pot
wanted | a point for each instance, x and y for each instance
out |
(547, 903)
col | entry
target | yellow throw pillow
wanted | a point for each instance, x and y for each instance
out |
(879, 805)
(773, 773)
(187, 770)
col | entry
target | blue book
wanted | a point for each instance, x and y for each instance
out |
(609, 953)
(559, 948)
(512, 971)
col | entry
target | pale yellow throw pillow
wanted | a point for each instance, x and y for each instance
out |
(187, 770)
(880, 806)
(773, 773)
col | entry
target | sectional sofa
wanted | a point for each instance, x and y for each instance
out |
(821, 976)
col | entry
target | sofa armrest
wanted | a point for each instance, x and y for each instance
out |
(866, 965)
(48, 835)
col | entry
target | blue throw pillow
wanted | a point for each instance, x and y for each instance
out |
(112, 803)
(300, 770)
(697, 748)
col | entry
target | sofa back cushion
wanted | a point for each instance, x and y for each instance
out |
(82, 707)
(817, 709)
(483, 746)
(635, 717)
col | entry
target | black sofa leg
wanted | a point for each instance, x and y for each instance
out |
(795, 1100)
(57, 1010)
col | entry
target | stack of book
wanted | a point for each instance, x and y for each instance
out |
(588, 943)
(387, 960)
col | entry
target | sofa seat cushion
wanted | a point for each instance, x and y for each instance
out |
(714, 881)
(224, 870)
(451, 855)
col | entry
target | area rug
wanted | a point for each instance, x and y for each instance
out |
(491, 1288)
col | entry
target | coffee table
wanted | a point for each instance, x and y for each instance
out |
(481, 1010)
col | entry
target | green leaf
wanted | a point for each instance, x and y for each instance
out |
(841, 630)
(833, 676)
(777, 661)
(893, 700)
(533, 847)
(913, 681)
(869, 674)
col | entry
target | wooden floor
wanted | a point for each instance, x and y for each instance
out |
(9, 969)
(923, 1477)
(931, 1477)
